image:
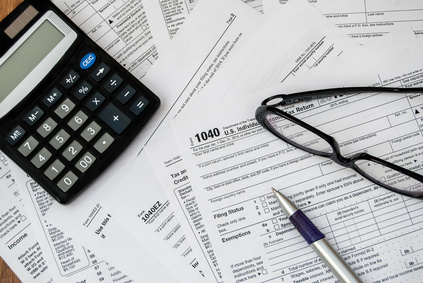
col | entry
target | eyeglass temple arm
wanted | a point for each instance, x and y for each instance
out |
(288, 99)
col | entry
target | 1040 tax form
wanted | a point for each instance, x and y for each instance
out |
(233, 162)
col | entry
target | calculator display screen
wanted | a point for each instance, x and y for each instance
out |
(35, 48)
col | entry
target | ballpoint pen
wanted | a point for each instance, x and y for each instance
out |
(316, 240)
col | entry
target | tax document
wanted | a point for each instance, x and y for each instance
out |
(222, 27)
(37, 251)
(165, 18)
(233, 163)
(119, 27)
(365, 19)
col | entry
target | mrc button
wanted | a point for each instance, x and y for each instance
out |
(15, 135)
(87, 61)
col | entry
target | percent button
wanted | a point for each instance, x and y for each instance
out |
(82, 90)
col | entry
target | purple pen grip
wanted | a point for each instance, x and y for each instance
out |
(306, 228)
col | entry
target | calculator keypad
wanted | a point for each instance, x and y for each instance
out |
(69, 130)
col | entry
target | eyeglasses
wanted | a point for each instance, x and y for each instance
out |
(301, 135)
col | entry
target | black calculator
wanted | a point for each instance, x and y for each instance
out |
(67, 108)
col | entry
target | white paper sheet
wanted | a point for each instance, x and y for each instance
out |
(233, 19)
(119, 27)
(165, 18)
(233, 163)
(38, 251)
(366, 20)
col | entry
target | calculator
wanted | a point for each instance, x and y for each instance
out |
(67, 108)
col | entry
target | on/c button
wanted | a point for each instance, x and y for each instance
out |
(87, 61)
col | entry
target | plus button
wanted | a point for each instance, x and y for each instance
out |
(115, 118)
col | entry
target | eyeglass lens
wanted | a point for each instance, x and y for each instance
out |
(306, 139)
(389, 176)
(297, 134)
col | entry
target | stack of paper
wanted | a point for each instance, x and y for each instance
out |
(191, 199)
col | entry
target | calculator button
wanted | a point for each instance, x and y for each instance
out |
(54, 169)
(91, 131)
(139, 105)
(47, 127)
(87, 61)
(78, 120)
(52, 97)
(70, 79)
(114, 118)
(126, 94)
(28, 146)
(41, 157)
(82, 90)
(59, 139)
(65, 108)
(67, 181)
(72, 150)
(103, 143)
(85, 162)
(95, 101)
(100, 72)
(34, 115)
(15, 135)
(113, 83)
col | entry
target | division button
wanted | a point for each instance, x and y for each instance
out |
(115, 118)
(113, 83)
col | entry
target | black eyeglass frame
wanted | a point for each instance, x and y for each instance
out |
(349, 162)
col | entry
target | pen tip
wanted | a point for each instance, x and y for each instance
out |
(273, 189)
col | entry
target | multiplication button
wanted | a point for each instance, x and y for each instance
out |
(95, 101)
